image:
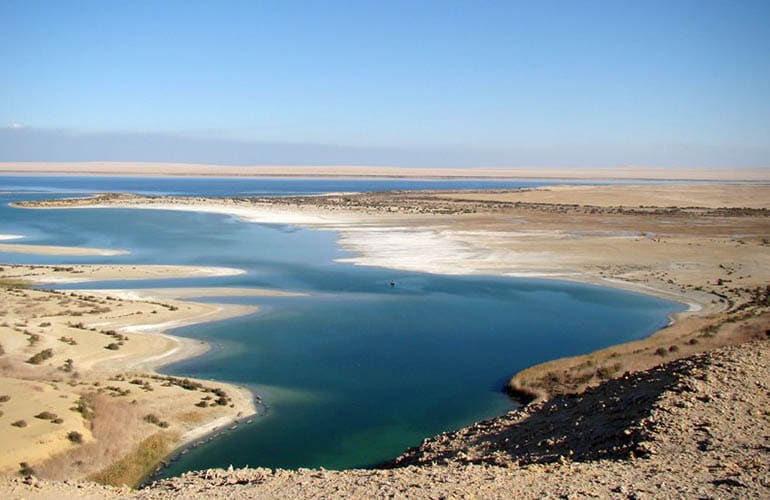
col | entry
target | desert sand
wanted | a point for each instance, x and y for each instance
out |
(189, 169)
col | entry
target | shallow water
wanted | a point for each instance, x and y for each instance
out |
(356, 371)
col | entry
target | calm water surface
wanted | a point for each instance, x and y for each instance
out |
(355, 371)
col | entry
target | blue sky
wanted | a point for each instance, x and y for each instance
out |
(571, 83)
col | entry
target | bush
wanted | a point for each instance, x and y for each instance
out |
(661, 351)
(606, 372)
(75, 437)
(46, 415)
(84, 408)
(153, 419)
(40, 357)
(5, 398)
(112, 347)
(20, 423)
(26, 470)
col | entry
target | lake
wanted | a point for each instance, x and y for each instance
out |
(355, 371)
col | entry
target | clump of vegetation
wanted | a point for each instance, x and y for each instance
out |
(116, 391)
(26, 470)
(222, 399)
(68, 365)
(606, 372)
(40, 357)
(710, 330)
(673, 348)
(75, 437)
(151, 418)
(68, 340)
(46, 415)
(19, 423)
(661, 351)
(5, 398)
(112, 346)
(85, 409)
(138, 463)
(44, 324)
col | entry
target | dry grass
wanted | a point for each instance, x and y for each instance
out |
(131, 469)
(190, 417)
(115, 425)
(575, 374)
(13, 283)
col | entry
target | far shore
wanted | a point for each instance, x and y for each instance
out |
(363, 171)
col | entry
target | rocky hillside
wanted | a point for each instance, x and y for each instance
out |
(697, 427)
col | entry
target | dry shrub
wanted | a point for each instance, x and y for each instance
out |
(135, 466)
(116, 427)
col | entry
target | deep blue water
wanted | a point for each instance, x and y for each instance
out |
(356, 371)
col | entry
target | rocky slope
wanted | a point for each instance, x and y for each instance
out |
(695, 427)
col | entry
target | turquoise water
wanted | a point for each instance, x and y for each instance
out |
(356, 371)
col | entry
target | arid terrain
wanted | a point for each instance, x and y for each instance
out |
(681, 413)
(79, 397)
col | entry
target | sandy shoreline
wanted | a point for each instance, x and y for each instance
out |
(78, 369)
